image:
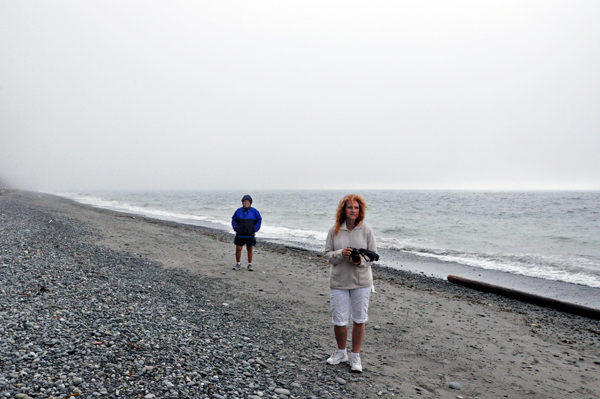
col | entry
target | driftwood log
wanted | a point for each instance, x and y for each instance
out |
(573, 308)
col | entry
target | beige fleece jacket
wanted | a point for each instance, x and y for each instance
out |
(343, 274)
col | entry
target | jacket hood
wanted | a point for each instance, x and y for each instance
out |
(247, 198)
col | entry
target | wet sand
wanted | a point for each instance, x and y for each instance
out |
(568, 292)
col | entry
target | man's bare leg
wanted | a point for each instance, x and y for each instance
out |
(238, 253)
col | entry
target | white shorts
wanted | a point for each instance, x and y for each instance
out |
(349, 302)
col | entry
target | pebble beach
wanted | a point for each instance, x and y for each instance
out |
(95, 303)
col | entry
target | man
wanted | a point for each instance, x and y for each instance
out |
(246, 222)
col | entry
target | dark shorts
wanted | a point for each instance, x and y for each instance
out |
(240, 241)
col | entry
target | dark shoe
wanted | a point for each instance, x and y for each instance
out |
(250, 269)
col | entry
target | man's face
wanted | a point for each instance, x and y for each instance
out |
(246, 204)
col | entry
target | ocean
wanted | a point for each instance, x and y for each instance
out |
(547, 236)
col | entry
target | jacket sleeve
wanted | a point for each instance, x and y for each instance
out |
(333, 256)
(258, 221)
(371, 246)
(234, 221)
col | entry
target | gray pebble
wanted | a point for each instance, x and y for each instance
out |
(420, 389)
(454, 385)
(282, 391)
(340, 381)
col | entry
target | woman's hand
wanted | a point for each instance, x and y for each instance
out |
(346, 252)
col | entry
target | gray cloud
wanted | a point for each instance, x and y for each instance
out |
(300, 95)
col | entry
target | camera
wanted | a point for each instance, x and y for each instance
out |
(365, 253)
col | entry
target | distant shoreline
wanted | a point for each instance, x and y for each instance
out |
(394, 261)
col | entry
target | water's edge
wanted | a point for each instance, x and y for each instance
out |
(403, 261)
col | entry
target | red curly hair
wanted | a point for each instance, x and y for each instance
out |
(340, 217)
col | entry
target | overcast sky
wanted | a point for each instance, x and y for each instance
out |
(300, 94)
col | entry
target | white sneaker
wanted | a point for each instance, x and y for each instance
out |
(355, 364)
(337, 357)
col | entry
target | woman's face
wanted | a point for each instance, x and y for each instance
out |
(352, 210)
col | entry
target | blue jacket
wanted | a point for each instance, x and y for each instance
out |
(246, 222)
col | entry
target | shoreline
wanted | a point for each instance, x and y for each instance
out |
(162, 292)
(569, 292)
(397, 260)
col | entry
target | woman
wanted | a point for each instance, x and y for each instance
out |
(350, 283)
